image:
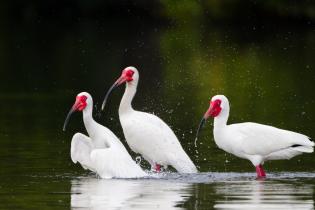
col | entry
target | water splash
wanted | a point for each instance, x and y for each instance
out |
(138, 160)
(195, 142)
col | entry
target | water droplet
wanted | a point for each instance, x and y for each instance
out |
(138, 160)
(196, 142)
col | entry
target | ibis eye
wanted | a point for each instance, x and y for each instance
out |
(129, 73)
(82, 98)
(216, 103)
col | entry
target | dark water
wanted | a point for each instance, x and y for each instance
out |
(168, 191)
(266, 71)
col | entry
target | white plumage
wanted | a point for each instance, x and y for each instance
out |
(147, 134)
(266, 141)
(252, 141)
(101, 152)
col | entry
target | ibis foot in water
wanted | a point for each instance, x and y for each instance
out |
(157, 168)
(260, 172)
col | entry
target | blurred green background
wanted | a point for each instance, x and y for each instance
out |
(260, 54)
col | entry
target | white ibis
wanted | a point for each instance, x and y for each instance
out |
(147, 134)
(252, 141)
(101, 151)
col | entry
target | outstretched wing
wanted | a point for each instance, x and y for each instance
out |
(112, 162)
(81, 147)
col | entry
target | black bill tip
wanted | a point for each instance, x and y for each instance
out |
(202, 122)
(67, 119)
(107, 94)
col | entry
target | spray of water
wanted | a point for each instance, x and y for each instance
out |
(138, 160)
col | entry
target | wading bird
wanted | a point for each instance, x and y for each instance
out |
(101, 151)
(147, 134)
(252, 141)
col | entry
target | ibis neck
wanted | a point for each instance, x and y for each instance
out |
(125, 103)
(221, 120)
(88, 120)
(94, 131)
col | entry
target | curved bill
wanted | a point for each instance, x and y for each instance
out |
(108, 93)
(118, 82)
(67, 119)
(73, 109)
(202, 122)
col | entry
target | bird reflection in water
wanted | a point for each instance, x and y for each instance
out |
(260, 194)
(94, 193)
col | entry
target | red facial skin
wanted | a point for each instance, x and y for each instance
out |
(80, 103)
(126, 76)
(128, 73)
(214, 109)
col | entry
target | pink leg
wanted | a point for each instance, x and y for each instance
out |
(157, 167)
(260, 171)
